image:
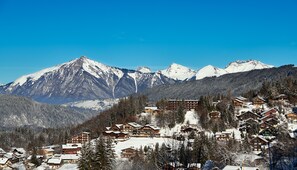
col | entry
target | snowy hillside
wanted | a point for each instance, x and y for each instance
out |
(93, 104)
(144, 70)
(178, 72)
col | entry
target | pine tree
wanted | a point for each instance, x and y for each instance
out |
(86, 160)
(104, 155)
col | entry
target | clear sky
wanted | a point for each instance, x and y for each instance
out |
(35, 34)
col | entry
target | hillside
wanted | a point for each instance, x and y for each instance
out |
(236, 83)
(20, 111)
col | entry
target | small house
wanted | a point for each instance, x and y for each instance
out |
(128, 153)
(257, 143)
(214, 115)
(258, 101)
(71, 148)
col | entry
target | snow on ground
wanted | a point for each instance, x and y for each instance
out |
(191, 118)
(236, 133)
(246, 157)
(68, 167)
(136, 143)
(94, 104)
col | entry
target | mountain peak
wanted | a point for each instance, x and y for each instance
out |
(245, 65)
(178, 72)
(144, 69)
(209, 71)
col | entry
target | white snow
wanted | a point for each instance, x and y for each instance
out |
(209, 71)
(94, 104)
(133, 75)
(69, 167)
(136, 143)
(144, 70)
(242, 66)
(178, 72)
(191, 117)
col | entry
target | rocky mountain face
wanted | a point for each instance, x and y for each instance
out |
(20, 111)
(83, 79)
(236, 83)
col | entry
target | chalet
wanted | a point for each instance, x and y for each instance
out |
(150, 131)
(132, 128)
(69, 158)
(186, 104)
(80, 138)
(214, 115)
(151, 110)
(116, 127)
(258, 101)
(18, 154)
(239, 101)
(223, 136)
(257, 143)
(248, 115)
(265, 125)
(117, 135)
(292, 118)
(128, 153)
(4, 163)
(71, 148)
(46, 152)
(269, 112)
(188, 129)
(247, 124)
(55, 162)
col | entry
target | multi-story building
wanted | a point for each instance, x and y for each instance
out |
(173, 104)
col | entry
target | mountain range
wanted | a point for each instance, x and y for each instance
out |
(85, 79)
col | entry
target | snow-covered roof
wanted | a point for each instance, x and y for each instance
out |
(3, 161)
(241, 98)
(56, 161)
(49, 150)
(134, 124)
(230, 167)
(71, 146)
(69, 157)
(119, 125)
(152, 126)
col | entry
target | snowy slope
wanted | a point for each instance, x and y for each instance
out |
(242, 66)
(178, 72)
(93, 104)
(209, 71)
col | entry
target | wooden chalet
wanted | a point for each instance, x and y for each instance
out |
(257, 143)
(116, 135)
(188, 129)
(268, 132)
(128, 153)
(117, 127)
(265, 125)
(80, 138)
(246, 125)
(223, 136)
(71, 148)
(239, 101)
(149, 131)
(281, 97)
(248, 115)
(258, 101)
(46, 152)
(132, 128)
(214, 115)
(269, 112)
(2, 152)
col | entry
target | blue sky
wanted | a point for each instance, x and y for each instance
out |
(35, 34)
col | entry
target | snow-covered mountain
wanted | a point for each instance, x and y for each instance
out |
(209, 71)
(242, 66)
(234, 67)
(178, 72)
(82, 79)
(144, 70)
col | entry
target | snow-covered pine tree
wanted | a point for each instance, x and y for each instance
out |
(86, 160)
(104, 155)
